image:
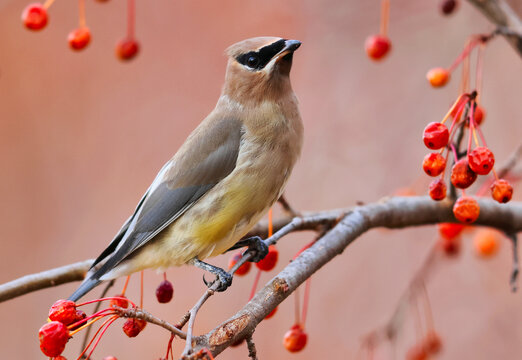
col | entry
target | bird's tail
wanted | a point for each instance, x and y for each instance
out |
(86, 286)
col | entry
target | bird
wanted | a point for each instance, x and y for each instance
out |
(226, 175)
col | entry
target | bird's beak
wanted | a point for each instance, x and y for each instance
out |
(290, 47)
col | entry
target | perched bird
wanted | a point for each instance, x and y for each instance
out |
(231, 169)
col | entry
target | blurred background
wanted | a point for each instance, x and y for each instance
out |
(82, 135)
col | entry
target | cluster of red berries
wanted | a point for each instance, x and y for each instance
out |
(65, 320)
(477, 161)
(35, 17)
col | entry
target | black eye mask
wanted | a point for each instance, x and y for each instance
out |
(257, 60)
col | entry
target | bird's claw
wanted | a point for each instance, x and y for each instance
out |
(224, 278)
(258, 248)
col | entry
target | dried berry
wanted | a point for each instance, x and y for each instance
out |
(35, 16)
(53, 338)
(377, 46)
(433, 164)
(119, 302)
(63, 311)
(438, 77)
(481, 160)
(270, 260)
(501, 191)
(437, 190)
(127, 49)
(435, 136)
(466, 209)
(461, 174)
(79, 38)
(486, 242)
(132, 327)
(164, 292)
(243, 269)
(295, 339)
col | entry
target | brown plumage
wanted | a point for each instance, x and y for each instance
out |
(226, 175)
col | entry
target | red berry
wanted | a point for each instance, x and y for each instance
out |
(377, 46)
(481, 160)
(479, 115)
(295, 338)
(127, 49)
(436, 136)
(243, 269)
(450, 230)
(433, 164)
(60, 358)
(119, 302)
(417, 352)
(432, 342)
(63, 311)
(272, 313)
(79, 38)
(270, 260)
(466, 209)
(53, 337)
(438, 77)
(164, 292)
(501, 190)
(461, 174)
(448, 6)
(486, 242)
(132, 327)
(437, 190)
(35, 16)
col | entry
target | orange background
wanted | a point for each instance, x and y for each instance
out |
(82, 136)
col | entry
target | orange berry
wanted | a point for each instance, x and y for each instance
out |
(501, 191)
(438, 77)
(486, 242)
(433, 164)
(295, 339)
(79, 38)
(466, 209)
(461, 174)
(243, 269)
(437, 190)
(377, 46)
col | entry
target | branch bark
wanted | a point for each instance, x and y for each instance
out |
(392, 213)
(502, 15)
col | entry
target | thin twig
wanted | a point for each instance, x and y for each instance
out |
(137, 313)
(515, 270)
(252, 353)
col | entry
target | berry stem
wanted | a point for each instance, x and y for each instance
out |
(94, 337)
(47, 4)
(297, 305)
(427, 308)
(99, 313)
(107, 324)
(455, 156)
(306, 299)
(131, 18)
(480, 66)
(105, 299)
(495, 174)
(385, 14)
(125, 285)
(165, 276)
(81, 13)
(270, 225)
(254, 286)
(453, 108)
(89, 323)
(169, 347)
(464, 54)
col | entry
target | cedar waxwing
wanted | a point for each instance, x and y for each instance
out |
(229, 172)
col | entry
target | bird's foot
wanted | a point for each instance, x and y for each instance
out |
(256, 246)
(224, 278)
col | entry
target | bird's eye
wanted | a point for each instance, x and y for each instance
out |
(252, 61)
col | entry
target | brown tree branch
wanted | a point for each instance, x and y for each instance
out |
(392, 213)
(502, 15)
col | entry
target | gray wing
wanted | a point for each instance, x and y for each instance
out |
(208, 156)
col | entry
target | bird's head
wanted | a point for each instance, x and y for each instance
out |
(259, 68)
